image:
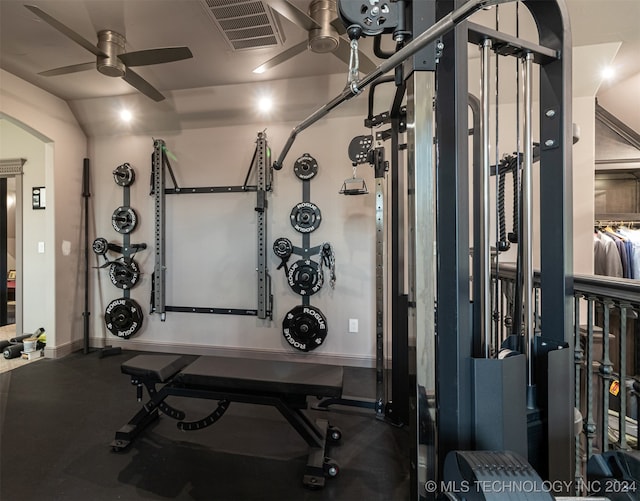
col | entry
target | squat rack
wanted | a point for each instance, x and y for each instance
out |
(161, 165)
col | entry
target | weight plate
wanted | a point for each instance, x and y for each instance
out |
(359, 148)
(306, 217)
(124, 219)
(124, 175)
(124, 274)
(305, 167)
(304, 328)
(283, 248)
(305, 277)
(100, 246)
(123, 317)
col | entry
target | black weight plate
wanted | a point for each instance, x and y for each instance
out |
(124, 219)
(304, 328)
(283, 248)
(124, 175)
(305, 277)
(100, 246)
(306, 217)
(305, 167)
(123, 317)
(124, 274)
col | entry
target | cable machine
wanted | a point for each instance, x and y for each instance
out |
(465, 397)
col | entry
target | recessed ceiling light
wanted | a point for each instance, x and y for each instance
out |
(608, 73)
(265, 104)
(260, 69)
(125, 115)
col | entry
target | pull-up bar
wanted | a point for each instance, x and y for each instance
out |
(426, 37)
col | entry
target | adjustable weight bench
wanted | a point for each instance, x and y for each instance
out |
(284, 385)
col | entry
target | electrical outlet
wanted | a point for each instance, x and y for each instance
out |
(353, 325)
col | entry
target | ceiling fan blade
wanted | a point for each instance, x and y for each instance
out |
(293, 14)
(155, 56)
(343, 52)
(338, 25)
(79, 39)
(282, 57)
(74, 68)
(135, 80)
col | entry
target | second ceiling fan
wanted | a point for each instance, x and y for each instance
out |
(325, 33)
(111, 56)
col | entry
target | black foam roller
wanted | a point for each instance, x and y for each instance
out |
(13, 351)
(4, 344)
(17, 339)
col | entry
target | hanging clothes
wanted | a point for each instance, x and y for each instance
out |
(633, 247)
(607, 260)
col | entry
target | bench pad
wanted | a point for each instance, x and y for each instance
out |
(157, 368)
(263, 376)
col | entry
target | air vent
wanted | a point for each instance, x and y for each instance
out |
(245, 24)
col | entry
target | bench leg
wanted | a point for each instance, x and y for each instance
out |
(128, 433)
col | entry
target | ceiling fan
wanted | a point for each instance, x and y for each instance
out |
(325, 33)
(111, 56)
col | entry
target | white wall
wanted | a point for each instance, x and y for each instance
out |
(211, 241)
(50, 119)
(37, 303)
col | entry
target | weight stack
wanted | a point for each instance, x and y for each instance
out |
(499, 404)
(492, 475)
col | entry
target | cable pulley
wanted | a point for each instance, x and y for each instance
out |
(305, 167)
(124, 175)
(124, 273)
(306, 217)
(304, 328)
(124, 219)
(123, 317)
(359, 149)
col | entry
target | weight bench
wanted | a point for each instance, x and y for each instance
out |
(284, 385)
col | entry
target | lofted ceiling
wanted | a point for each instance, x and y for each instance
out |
(29, 45)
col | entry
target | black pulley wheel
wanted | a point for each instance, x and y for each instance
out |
(124, 220)
(359, 148)
(305, 277)
(306, 217)
(124, 175)
(304, 328)
(305, 167)
(283, 248)
(124, 274)
(123, 317)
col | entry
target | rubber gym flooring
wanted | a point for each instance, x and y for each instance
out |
(58, 417)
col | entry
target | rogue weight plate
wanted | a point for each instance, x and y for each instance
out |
(306, 217)
(305, 277)
(304, 328)
(283, 248)
(124, 175)
(123, 317)
(124, 219)
(305, 167)
(124, 274)
(100, 246)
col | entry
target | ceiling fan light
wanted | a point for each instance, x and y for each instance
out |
(323, 44)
